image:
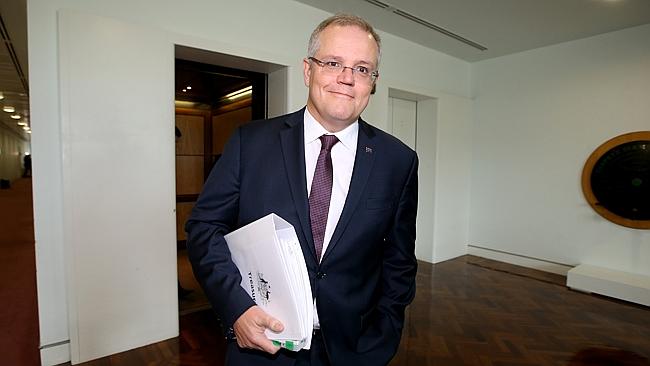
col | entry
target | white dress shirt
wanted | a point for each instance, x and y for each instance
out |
(343, 154)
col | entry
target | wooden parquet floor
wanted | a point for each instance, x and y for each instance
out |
(469, 311)
(19, 337)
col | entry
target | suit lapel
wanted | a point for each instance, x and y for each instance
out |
(363, 162)
(293, 150)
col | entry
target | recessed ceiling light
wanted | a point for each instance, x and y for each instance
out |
(9, 109)
(30, 131)
(15, 116)
(22, 124)
(184, 90)
(240, 93)
(26, 128)
(185, 104)
(2, 96)
(189, 87)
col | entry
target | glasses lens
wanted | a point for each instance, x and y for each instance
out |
(361, 73)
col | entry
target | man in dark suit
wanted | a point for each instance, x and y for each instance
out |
(349, 190)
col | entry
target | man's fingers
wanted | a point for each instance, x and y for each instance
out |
(260, 343)
(273, 324)
(268, 346)
(269, 322)
(250, 328)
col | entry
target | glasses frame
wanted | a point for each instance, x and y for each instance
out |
(355, 71)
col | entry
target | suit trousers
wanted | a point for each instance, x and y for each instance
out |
(316, 355)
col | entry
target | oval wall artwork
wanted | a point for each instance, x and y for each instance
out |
(616, 180)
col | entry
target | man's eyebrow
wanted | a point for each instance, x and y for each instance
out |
(340, 59)
(331, 58)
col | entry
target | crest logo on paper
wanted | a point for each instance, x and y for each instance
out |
(263, 289)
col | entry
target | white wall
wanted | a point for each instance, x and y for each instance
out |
(538, 115)
(243, 29)
(425, 140)
(452, 184)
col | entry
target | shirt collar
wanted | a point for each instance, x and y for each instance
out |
(314, 130)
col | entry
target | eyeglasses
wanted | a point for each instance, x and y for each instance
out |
(335, 68)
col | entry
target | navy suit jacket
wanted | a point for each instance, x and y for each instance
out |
(366, 277)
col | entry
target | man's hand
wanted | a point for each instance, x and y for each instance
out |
(250, 326)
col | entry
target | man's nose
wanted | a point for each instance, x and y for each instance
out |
(346, 76)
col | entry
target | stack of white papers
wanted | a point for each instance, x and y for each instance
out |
(268, 255)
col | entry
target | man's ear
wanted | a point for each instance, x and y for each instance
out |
(306, 71)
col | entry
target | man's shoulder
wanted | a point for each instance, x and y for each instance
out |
(273, 124)
(383, 138)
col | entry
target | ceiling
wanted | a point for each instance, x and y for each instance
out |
(501, 26)
(471, 30)
(13, 66)
(208, 84)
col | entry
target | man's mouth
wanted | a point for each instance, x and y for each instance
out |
(341, 94)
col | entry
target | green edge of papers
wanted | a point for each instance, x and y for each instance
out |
(285, 344)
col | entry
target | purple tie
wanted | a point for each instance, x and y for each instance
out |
(321, 192)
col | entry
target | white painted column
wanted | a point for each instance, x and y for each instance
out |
(118, 184)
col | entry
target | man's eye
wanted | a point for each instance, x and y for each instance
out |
(362, 70)
(333, 64)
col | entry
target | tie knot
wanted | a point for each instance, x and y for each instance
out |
(327, 141)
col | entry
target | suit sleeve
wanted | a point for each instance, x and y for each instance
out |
(381, 340)
(214, 215)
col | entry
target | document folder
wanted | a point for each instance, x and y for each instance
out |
(273, 270)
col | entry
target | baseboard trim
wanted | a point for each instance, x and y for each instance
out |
(519, 260)
(55, 354)
(626, 286)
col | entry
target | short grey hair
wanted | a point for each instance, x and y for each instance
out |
(342, 20)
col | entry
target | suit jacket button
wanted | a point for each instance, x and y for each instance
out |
(320, 275)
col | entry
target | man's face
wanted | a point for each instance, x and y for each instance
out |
(337, 99)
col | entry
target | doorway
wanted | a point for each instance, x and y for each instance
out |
(402, 115)
(210, 103)
(413, 118)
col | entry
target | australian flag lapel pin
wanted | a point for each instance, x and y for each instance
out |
(368, 150)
